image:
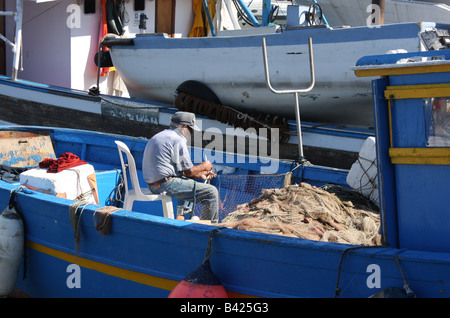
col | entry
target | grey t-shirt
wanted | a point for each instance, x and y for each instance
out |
(166, 155)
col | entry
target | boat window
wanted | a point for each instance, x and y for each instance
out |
(437, 116)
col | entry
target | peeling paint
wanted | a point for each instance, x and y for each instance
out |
(20, 150)
(131, 112)
(311, 96)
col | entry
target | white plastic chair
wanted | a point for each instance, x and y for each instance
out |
(137, 193)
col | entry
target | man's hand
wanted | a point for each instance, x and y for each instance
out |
(200, 171)
(208, 175)
(207, 165)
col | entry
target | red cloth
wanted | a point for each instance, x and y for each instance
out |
(65, 161)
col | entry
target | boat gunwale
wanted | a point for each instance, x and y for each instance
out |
(238, 234)
(157, 41)
(233, 244)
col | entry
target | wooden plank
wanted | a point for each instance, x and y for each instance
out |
(22, 149)
(417, 91)
(403, 69)
(420, 156)
(165, 17)
(26, 112)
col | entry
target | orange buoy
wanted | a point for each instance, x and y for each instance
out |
(201, 283)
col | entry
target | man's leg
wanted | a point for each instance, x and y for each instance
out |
(208, 196)
(183, 190)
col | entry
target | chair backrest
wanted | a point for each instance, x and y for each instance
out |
(131, 167)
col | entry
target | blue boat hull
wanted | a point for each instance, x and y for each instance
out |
(146, 255)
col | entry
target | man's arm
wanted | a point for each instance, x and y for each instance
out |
(200, 171)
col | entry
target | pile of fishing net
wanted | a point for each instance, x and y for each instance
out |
(330, 213)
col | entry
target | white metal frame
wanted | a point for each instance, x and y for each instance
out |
(17, 44)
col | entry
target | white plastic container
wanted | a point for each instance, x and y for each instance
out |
(363, 175)
(69, 183)
(11, 249)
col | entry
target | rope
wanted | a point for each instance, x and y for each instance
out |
(208, 249)
(337, 290)
(116, 197)
(300, 162)
(75, 218)
(81, 196)
(231, 116)
(103, 222)
(408, 290)
(370, 181)
(195, 198)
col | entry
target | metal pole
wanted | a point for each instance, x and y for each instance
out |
(267, 7)
(294, 91)
(208, 15)
(18, 39)
(248, 13)
(299, 126)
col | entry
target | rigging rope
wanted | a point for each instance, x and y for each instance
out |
(231, 116)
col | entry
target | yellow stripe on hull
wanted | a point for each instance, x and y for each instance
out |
(420, 156)
(154, 281)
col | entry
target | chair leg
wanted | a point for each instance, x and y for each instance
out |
(128, 204)
(167, 207)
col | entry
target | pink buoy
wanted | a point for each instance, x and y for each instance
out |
(201, 283)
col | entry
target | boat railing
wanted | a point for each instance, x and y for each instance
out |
(292, 91)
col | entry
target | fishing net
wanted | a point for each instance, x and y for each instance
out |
(238, 189)
(330, 213)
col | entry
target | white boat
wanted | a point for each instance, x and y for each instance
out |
(153, 66)
(65, 57)
(358, 12)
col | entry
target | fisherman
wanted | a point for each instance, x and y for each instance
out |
(167, 167)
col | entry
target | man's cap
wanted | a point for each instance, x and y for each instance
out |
(185, 118)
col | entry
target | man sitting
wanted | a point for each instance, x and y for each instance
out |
(167, 167)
